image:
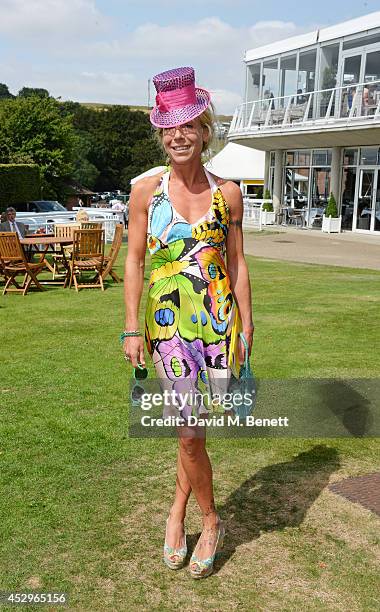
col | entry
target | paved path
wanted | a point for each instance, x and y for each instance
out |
(311, 246)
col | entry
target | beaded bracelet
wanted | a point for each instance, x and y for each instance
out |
(127, 334)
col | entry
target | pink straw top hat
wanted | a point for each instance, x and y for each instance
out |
(178, 100)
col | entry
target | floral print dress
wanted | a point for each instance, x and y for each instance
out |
(192, 321)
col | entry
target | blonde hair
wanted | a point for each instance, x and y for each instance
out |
(207, 120)
(82, 216)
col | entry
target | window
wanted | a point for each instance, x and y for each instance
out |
(328, 66)
(322, 157)
(255, 191)
(348, 195)
(361, 41)
(320, 187)
(291, 158)
(369, 156)
(298, 158)
(304, 158)
(288, 75)
(306, 72)
(350, 157)
(253, 82)
(272, 158)
(372, 68)
(270, 79)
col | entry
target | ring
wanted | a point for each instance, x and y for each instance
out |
(126, 357)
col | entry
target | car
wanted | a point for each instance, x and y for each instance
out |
(41, 206)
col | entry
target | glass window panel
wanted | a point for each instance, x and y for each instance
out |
(320, 187)
(304, 158)
(361, 41)
(371, 93)
(296, 186)
(372, 67)
(328, 66)
(350, 157)
(255, 191)
(301, 187)
(368, 156)
(272, 158)
(306, 72)
(365, 198)
(270, 79)
(291, 158)
(253, 82)
(377, 207)
(322, 157)
(348, 195)
(351, 71)
(288, 75)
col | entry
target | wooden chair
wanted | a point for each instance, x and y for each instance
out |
(90, 225)
(109, 260)
(87, 255)
(14, 262)
(62, 230)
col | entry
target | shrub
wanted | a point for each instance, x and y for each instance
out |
(331, 208)
(19, 183)
(268, 206)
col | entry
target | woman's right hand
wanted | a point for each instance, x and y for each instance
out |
(133, 347)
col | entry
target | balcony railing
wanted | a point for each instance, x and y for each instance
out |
(348, 105)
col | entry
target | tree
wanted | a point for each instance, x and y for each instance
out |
(27, 92)
(268, 206)
(331, 208)
(4, 92)
(116, 141)
(32, 129)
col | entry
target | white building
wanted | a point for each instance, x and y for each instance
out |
(312, 103)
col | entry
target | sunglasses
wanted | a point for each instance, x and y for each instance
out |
(186, 128)
(140, 373)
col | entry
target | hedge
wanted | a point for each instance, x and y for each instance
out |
(19, 183)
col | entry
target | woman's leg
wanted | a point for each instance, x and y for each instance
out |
(175, 528)
(197, 466)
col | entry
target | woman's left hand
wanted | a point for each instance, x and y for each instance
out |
(248, 334)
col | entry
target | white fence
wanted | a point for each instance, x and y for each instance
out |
(35, 221)
(253, 214)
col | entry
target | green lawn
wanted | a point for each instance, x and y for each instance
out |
(83, 506)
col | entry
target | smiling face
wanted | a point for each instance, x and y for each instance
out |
(185, 142)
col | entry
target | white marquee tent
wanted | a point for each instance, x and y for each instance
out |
(238, 163)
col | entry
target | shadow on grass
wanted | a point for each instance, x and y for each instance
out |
(276, 497)
(351, 408)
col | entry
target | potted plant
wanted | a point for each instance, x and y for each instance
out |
(331, 220)
(268, 216)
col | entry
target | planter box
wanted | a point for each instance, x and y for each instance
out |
(268, 218)
(331, 224)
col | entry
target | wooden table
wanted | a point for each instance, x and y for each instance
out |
(48, 243)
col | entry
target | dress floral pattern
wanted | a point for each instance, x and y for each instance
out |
(192, 321)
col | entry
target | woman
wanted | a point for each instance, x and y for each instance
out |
(197, 305)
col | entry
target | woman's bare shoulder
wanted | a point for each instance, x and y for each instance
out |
(147, 183)
(230, 190)
(145, 187)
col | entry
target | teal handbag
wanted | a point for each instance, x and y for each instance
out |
(245, 386)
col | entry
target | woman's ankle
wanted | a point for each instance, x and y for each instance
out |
(177, 513)
(210, 519)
